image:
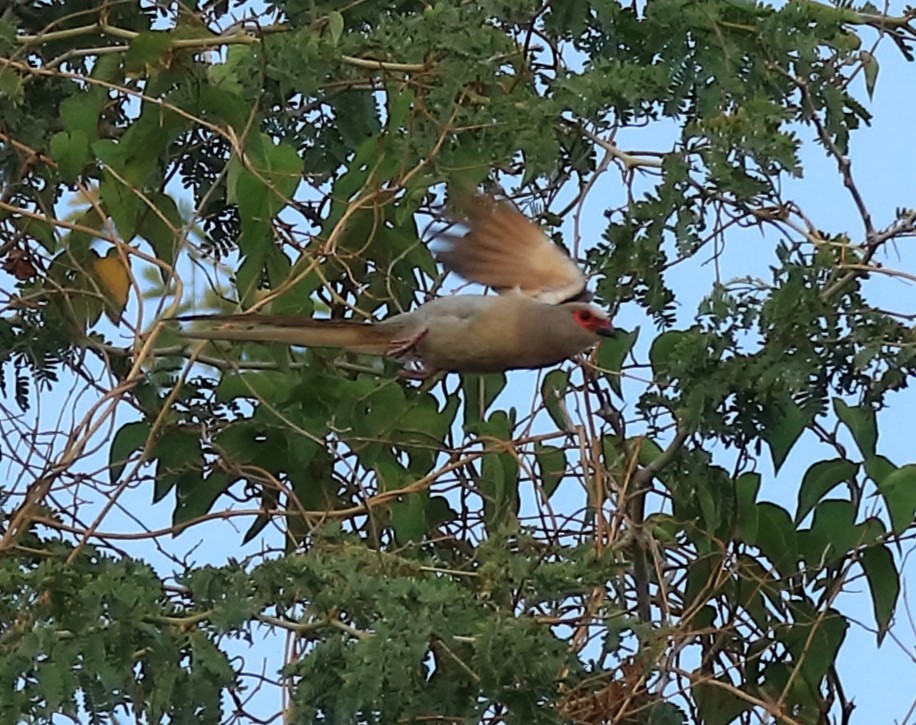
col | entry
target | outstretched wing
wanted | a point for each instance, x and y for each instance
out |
(506, 251)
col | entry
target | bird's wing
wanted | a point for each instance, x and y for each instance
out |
(506, 251)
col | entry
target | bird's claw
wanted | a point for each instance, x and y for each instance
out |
(415, 373)
(404, 346)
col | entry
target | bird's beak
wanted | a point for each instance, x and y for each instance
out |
(606, 330)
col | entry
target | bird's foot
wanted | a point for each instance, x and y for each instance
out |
(417, 372)
(404, 346)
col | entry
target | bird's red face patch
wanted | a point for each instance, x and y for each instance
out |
(593, 321)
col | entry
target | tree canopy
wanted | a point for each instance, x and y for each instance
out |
(588, 544)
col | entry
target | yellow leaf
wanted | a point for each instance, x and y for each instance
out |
(113, 276)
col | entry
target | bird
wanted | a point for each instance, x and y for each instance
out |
(540, 316)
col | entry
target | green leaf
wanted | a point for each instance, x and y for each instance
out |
(400, 100)
(146, 52)
(663, 351)
(310, 475)
(121, 202)
(870, 66)
(177, 454)
(898, 489)
(228, 76)
(700, 572)
(335, 26)
(161, 225)
(776, 537)
(222, 105)
(38, 229)
(666, 713)
(282, 169)
(250, 442)
(269, 501)
(107, 68)
(785, 424)
(649, 450)
(129, 438)
(819, 480)
(257, 385)
(266, 184)
(747, 487)
(196, 496)
(705, 494)
(832, 536)
(464, 167)
(350, 182)
(422, 430)
(408, 517)
(611, 452)
(552, 467)
(439, 511)
(552, 389)
(71, 151)
(884, 583)
(479, 393)
(80, 113)
(878, 468)
(499, 476)
(814, 641)
(52, 678)
(492, 487)
(752, 583)
(861, 423)
(375, 414)
(11, 87)
(255, 237)
(357, 119)
(261, 187)
(717, 704)
(612, 353)
(391, 474)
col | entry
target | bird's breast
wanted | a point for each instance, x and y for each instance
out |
(491, 334)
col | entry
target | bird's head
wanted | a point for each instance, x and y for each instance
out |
(593, 320)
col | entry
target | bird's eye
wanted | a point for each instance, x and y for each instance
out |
(585, 315)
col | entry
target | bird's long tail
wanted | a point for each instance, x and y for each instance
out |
(362, 337)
